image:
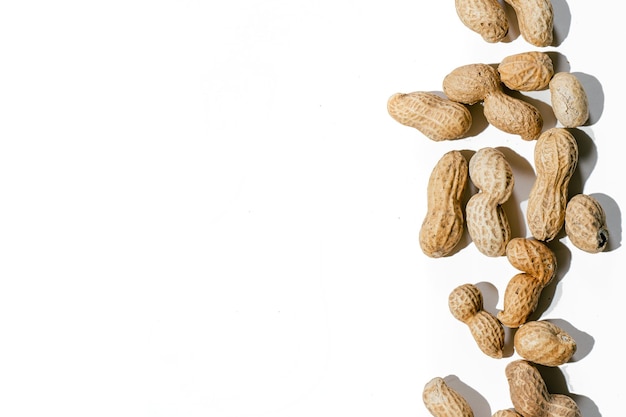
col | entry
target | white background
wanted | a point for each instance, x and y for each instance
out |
(205, 210)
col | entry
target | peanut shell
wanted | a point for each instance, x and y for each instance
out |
(556, 158)
(544, 343)
(569, 100)
(442, 227)
(585, 224)
(436, 117)
(527, 71)
(485, 17)
(443, 401)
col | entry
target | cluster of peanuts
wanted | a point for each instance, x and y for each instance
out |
(549, 211)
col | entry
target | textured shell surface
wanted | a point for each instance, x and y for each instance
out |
(556, 158)
(436, 117)
(520, 300)
(443, 401)
(526, 71)
(442, 227)
(535, 20)
(487, 225)
(569, 100)
(585, 224)
(471, 83)
(465, 301)
(485, 17)
(488, 333)
(532, 257)
(527, 389)
(492, 174)
(512, 115)
(544, 343)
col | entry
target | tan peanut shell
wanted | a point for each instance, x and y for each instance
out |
(485, 17)
(512, 115)
(487, 223)
(466, 305)
(436, 117)
(535, 20)
(569, 100)
(556, 158)
(443, 401)
(506, 413)
(472, 83)
(526, 71)
(521, 295)
(442, 227)
(544, 343)
(530, 396)
(585, 224)
(532, 257)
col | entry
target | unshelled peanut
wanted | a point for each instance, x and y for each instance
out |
(442, 227)
(443, 401)
(526, 71)
(535, 20)
(438, 118)
(466, 305)
(469, 84)
(485, 17)
(556, 158)
(569, 100)
(487, 223)
(585, 224)
(521, 296)
(530, 396)
(544, 343)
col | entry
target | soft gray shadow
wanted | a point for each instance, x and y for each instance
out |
(513, 32)
(562, 21)
(559, 62)
(563, 262)
(479, 122)
(478, 403)
(584, 341)
(613, 220)
(595, 96)
(524, 177)
(587, 160)
(556, 383)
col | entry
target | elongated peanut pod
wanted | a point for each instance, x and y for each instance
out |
(485, 17)
(585, 224)
(522, 292)
(535, 20)
(556, 158)
(466, 305)
(443, 401)
(438, 118)
(442, 227)
(487, 223)
(530, 396)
